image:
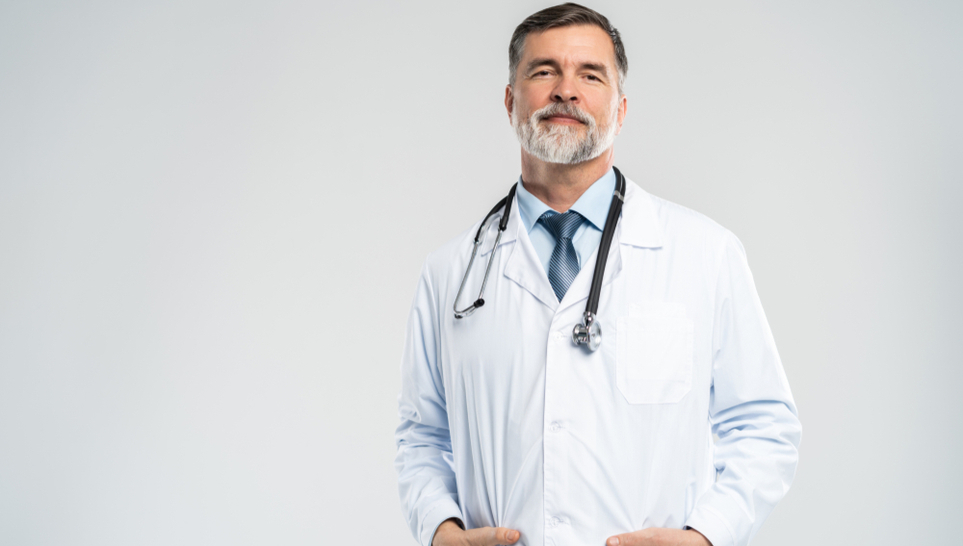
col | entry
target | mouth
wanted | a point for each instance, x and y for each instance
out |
(563, 119)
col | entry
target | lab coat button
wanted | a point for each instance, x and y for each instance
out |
(556, 426)
(553, 522)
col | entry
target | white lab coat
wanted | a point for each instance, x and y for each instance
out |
(505, 422)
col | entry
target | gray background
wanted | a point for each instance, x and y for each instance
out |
(213, 216)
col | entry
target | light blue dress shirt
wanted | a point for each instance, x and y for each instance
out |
(593, 205)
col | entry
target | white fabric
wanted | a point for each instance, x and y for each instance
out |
(505, 422)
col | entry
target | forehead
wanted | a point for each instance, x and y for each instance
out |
(572, 44)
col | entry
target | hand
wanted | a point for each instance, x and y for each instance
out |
(450, 534)
(657, 536)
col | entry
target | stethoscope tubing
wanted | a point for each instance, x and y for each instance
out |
(588, 332)
(608, 233)
(506, 202)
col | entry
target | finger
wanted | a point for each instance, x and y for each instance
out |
(629, 539)
(492, 536)
(651, 536)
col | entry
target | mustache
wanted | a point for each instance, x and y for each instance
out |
(558, 108)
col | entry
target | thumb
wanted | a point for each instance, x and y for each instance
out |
(627, 539)
(639, 538)
(492, 536)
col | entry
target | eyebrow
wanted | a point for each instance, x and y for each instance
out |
(545, 61)
(596, 67)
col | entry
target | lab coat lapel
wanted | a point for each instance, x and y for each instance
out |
(523, 266)
(579, 290)
(639, 220)
(637, 227)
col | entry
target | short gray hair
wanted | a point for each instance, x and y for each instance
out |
(564, 15)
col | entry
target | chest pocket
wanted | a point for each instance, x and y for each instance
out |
(654, 353)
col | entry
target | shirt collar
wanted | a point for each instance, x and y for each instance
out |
(593, 204)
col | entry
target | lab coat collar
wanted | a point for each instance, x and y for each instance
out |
(639, 219)
(638, 227)
(511, 230)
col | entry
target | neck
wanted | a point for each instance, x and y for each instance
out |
(559, 186)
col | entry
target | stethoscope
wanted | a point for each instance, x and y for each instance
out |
(588, 332)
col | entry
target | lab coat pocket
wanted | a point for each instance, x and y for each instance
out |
(654, 353)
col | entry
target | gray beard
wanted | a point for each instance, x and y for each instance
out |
(563, 143)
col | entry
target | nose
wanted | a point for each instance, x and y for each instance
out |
(565, 90)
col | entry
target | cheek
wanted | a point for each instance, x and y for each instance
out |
(534, 96)
(605, 115)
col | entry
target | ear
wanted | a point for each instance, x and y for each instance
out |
(509, 101)
(623, 109)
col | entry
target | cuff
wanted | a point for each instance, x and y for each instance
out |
(436, 516)
(712, 526)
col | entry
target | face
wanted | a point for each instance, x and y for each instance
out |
(565, 105)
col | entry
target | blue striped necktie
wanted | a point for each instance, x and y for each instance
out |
(563, 265)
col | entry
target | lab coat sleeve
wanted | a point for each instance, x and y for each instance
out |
(426, 477)
(751, 410)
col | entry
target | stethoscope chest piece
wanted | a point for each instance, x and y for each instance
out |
(588, 332)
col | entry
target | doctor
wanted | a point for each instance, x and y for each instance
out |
(511, 433)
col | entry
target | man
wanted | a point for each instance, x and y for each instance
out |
(510, 432)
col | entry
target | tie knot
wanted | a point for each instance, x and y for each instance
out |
(562, 226)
